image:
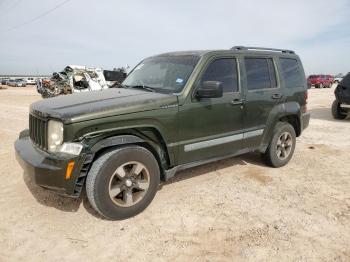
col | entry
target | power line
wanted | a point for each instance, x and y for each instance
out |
(37, 17)
(10, 8)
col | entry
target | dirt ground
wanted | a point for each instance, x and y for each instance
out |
(232, 210)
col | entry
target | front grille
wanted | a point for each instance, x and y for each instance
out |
(38, 131)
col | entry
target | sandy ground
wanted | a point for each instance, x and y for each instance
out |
(232, 210)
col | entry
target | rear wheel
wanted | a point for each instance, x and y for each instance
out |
(337, 111)
(123, 182)
(282, 145)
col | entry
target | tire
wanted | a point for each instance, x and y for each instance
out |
(110, 174)
(337, 111)
(273, 155)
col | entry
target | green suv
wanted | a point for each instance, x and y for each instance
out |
(173, 111)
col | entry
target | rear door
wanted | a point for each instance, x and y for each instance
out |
(263, 93)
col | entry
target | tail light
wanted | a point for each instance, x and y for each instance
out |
(304, 106)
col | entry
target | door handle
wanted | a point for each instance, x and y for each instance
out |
(237, 102)
(277, 96)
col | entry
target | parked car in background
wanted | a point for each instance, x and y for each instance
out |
(4, 81)
(17, 82)
(338, 78)
(11, 82)
(319, 81)
(31, 81)
(20, 82)
(331, 79)
(341, 104)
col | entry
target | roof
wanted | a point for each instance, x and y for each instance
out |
(184, 53)
(235, 49)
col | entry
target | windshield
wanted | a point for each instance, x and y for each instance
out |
(163, 74)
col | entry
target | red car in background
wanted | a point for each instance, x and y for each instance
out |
(320, 81)
(331, 78)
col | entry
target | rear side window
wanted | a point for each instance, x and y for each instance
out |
(291, 73)
(223, 70)
(260, 73)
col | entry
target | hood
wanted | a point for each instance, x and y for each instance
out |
(96, 104)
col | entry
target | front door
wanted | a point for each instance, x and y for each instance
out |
(212, 127)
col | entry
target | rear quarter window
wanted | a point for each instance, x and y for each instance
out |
(291, 72)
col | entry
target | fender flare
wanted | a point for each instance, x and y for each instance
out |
(280, 111)
(116, 141)
(125, 140)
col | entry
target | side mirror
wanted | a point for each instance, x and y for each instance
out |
(210, 89)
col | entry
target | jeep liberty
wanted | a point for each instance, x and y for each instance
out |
(173, 111)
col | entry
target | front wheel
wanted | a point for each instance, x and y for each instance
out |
(337, 111)
(282, 145)
(123, 182)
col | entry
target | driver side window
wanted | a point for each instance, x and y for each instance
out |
(223, 70)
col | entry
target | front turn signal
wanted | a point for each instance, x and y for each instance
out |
(69, 170)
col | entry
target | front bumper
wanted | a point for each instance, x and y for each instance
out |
(305, 120)
(48, 170)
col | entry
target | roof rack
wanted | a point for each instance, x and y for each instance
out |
(240, 48)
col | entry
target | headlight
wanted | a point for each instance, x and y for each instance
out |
(55, 140)
(54, 135)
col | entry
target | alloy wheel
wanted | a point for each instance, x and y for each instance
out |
(284, 145)
(129, 184)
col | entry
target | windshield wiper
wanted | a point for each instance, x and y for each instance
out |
(150, 89)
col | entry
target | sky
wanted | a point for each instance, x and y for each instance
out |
(112, 34)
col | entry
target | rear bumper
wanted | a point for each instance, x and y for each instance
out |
(305, 120)
(48, 170)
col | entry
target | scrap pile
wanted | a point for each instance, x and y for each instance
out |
(80, 79)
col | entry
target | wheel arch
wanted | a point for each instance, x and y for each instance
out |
(294, 120)
(147, 137)
(287, 112)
